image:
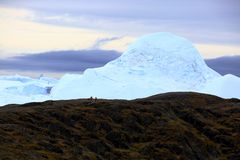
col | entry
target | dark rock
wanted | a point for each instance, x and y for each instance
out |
(50, 147)
(98, 146)
(118, 139)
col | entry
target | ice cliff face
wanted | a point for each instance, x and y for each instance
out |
(155, 63)
(21, 89)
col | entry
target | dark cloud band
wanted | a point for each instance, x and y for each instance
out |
(78, 61)
(59, 61)
(225, 65)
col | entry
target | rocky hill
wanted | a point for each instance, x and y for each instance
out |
(166, 126)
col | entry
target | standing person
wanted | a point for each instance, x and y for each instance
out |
(95, 100)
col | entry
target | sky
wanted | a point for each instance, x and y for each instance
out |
(33, 27)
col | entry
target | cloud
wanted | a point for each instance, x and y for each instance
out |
(225, 65)
(100, 42)
(41, 26)
(23, 35)
(59, 61)
(215, 21)
(10, 13)
(145, 9)
(217, 50)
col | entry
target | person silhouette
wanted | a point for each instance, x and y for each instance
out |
(91, 99)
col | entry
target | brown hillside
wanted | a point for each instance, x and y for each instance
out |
(166, 126)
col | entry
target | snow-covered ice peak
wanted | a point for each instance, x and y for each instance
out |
(165, 54)
(159, 50)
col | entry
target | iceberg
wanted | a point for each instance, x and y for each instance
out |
(155, 63)
(20, 89)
